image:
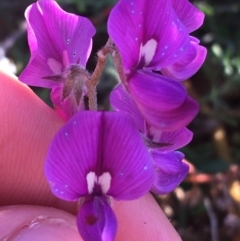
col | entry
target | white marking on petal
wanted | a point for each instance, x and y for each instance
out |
(89, 50)
(39, 9)
(148, 50)
(105, 181)
(54, 65)
(91, 178)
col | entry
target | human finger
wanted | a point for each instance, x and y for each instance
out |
(25, 222)
(27, 127)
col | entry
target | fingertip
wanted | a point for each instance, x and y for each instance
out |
(24, 223)
(15, 94)
(27, 127)
(143, 220)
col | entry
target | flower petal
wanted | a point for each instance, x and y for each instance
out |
(72, 155)
(106, 145)
(126, 158)
(166, 94)
(56, 38)
(163, 102)
(122, 101)
(188, 65)
(174, 119)
(163, 141)
(169, 141)
(188, 14)
(147, 33)
(96, 220)
(170, 171)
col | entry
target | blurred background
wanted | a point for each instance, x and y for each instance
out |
(206, 207)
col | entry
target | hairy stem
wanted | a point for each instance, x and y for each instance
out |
(117, 60)
(94, 78)
(92, 82)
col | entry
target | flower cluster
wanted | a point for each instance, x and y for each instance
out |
(60, 44)
(122, 154)
(157, 52)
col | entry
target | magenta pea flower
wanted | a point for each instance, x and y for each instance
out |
(155, 139)
(163, 102)
(60, 44)
(170, 171)
(188, 14)
(169, 168)
(189, 64)
(97, 156)
(155, 35)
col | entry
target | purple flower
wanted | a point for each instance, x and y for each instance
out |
(170, 171)
(162, 102)
(155, 35)
(155, 139)
(60, 44)
(188, 14)
(189, 64)
(168, 165)
(98, 155)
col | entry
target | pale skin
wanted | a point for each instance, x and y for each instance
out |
(27, 127)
